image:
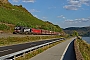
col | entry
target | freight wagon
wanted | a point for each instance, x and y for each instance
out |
(36, 31)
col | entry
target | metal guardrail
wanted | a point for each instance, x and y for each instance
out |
(23, 51)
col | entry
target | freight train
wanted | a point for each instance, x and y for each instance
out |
(33, 31)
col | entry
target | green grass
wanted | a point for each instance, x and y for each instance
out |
(18, 40)
(19, 16)
(85, 49)
(4, 27)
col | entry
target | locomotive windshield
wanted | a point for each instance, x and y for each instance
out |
(17, 28)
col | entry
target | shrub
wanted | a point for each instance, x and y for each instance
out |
(4, 27)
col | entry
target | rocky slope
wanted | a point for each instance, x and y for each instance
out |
(4, 1)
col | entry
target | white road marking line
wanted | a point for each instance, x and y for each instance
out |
(9, 49)
(5, 50)
(62, 56)
(1, 51)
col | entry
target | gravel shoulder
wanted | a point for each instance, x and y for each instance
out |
(5, 35)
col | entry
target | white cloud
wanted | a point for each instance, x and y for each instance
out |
(78, 20)
(71, 7)
(32, 1)
(35, 16)
(76, 4)
(33, 10)
(86, 2)
(69, 20)
(15, 0)
(61, 16)
(44, 17)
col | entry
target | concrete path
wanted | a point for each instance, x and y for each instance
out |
(70, 53)
(57, 52)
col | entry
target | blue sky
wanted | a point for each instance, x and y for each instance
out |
(65, 13)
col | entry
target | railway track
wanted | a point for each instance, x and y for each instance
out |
(5, 35)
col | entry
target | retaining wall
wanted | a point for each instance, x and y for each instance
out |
(77, 51)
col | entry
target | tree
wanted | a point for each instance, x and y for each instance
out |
(20, 5)
(75, 33)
